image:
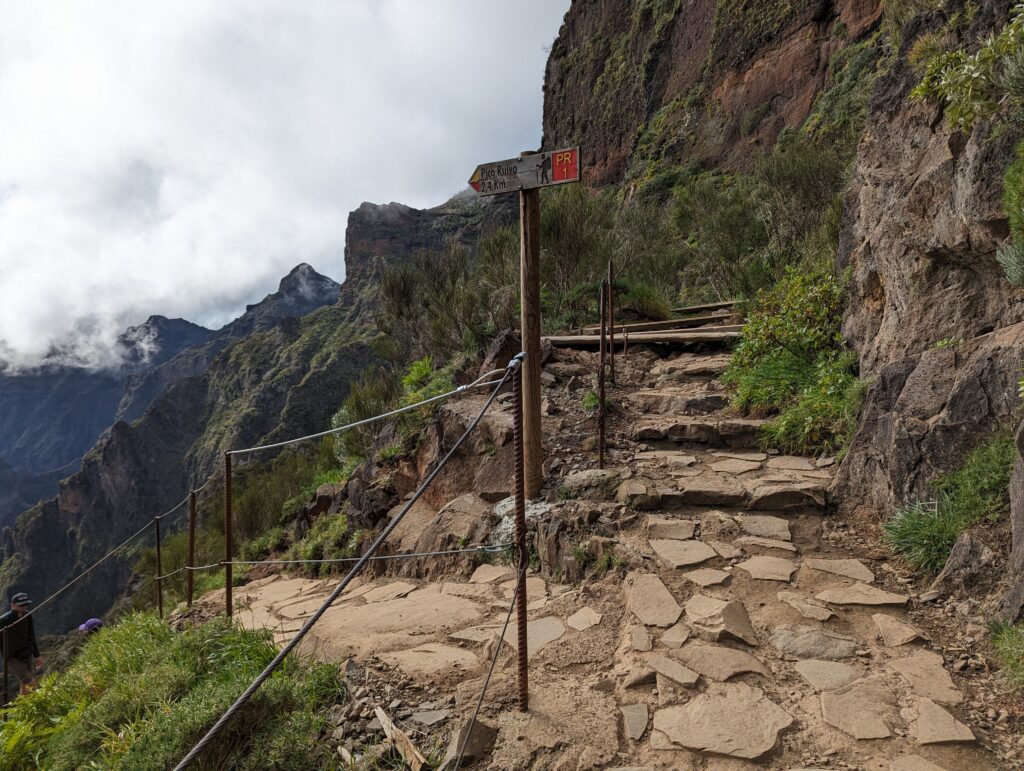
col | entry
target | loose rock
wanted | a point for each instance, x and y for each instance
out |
(584, 618)
(807, 642)
(863, 709)
(826, 675)
(805, 606)
(649, 600)
(769, 568)
(673, 670)
(893, 631)
(718, 662)
(934, 725)
(849, 568)
(713, 619)
(927, 677)
(634, 720)
(774, 528)
(706, 576)
(680, 554)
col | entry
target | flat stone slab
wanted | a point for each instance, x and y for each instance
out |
(894, 632)
(584, 618)
(734, 466)
(864, 709)
(634, 720)
(934, 725)
(432, 659)
(717, 662)
(486, 574)
(927, 677)
(861, 594)
(536, 589)
(676, 636)
(791, 463)
(639, 494)
(731, 719)
(769, 568)
(673, 670)
(681, 554)
(649, 600)
(706, 576)
(757, 457)
(913, 763)
(725, 550)
(665, 527)
(392, 591)
(805, 606)
(539, 633)
(826, 675)
(850, 568)
(766, 543)
(764, 526)
(808, 642)
(788, 496)
(712, 619)
(430, 717)
(639, 638)
(477, 634)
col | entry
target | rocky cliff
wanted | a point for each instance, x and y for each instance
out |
(643, 86)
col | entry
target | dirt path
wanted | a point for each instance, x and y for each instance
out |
(739, 634)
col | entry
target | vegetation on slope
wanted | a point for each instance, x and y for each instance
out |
(139, 695)
(924, 533)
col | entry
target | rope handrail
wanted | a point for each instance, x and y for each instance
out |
(513, 366)
(478, 383)
(495, 549)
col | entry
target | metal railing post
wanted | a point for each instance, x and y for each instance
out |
(600, 378)
(7, 693)
(190, 561)
(523, 556)
(159, 571)
(228, 539)
(611, 324)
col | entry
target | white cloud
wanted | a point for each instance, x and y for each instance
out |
(178, 158)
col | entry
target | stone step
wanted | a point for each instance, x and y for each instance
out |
(689, 366)
(675, 401)
(738, 433)
(656, 326)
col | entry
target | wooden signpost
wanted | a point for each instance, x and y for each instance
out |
(527, 174)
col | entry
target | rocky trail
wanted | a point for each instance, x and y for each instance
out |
(731, 623)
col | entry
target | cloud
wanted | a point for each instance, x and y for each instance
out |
(179, 158)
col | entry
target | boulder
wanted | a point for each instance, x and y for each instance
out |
(968, 559)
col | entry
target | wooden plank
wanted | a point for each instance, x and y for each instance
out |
(705, 308)
(402, 742)
(655, 326)
(712, 335)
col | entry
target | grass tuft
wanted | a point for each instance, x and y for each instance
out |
(1008, 640)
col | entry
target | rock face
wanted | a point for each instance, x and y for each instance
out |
(690, 81)
(923, 220)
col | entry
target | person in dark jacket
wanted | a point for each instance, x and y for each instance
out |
(19, 637)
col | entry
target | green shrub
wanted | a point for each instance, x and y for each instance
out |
(272, 542)
(770, 381)
(896, 14)
(139, 695)
(977, 491)
(328, 539)
(590, 401)
(823, 417)
(979, 85)
(1011, 256)
(923, 534)
(1008, 640)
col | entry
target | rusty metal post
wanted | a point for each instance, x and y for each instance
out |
(529, 329)
(190, 561)
(228, 538)
(159, 571)
(523, 558)
(7, 694)
(611, 324)
(600, 378)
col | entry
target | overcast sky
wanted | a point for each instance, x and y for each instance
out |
(179, 158)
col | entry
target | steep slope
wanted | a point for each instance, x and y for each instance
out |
(51, 417)
(281, 379)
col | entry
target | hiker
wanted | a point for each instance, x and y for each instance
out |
(21, 651)
(92, 626)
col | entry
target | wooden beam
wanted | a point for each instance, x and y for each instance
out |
(720, 335)
(401, 741)
(655, 326)
(705, 308)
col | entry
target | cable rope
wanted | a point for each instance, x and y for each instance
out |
(478, 383)
(513, 366)
(490, 669)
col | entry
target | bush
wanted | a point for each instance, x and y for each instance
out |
(1011, 256)
(978, 86)
(139, 695)
(774, 379)
(1008, 640)
(977, 491)
(823, 417)
(328, 539)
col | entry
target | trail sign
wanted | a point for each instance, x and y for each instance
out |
(527, 171)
